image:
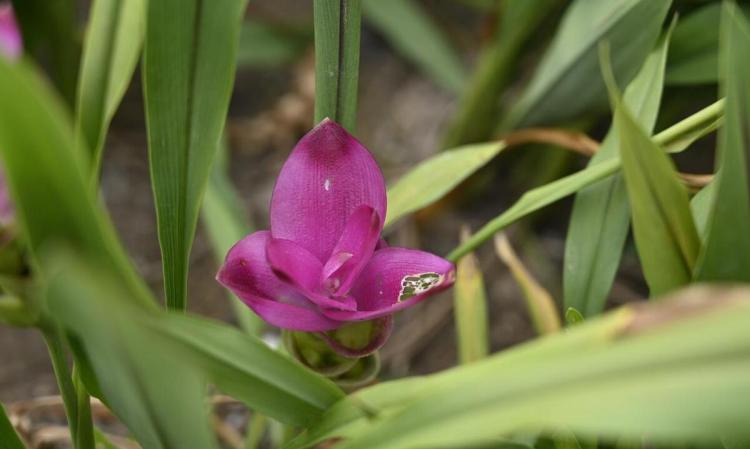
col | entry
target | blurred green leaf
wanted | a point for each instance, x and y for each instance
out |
(567, 82)
(600, 218)
(8, 435)
(700, 206)
(725, 255)
(431, 179)
(337, 30)
(267, 45)
(411, 31)
(539, 302)
(47, 176)
(673, 139)
(479, 106)
(226, 223)
(111, 52)
(470, 310)
(50, 34)
(129, 349)
(618, 376)
(135, 367)
(188, 72)
(665, 234)
(694, 51)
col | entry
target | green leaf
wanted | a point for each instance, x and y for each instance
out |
(431, 179)
(8, 434)
(47, 177)
(665, 234)
(337, 29)
(161, 409)
(266, 45)
(129, 348)
(567, 82)
(600, 218)
(479, 106)
(188, 71)
(50, 34)
(411, 31)
(111, 50)
(470, 310)
(573, 316)
(226, 223)
(674, 139)
(725, 255)
(621, 376)
(701, 205)
(694, 51)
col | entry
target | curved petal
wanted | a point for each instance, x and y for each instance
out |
(10, 35)
(327, 176)
(353, 250)
(247, 274)
(396, 278)
(301, 269)
(379, 333)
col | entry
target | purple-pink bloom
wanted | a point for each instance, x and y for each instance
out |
(10, 37)
(323, 263)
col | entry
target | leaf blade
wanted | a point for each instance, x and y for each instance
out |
(188, 71)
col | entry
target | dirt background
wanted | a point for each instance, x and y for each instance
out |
(401, 115)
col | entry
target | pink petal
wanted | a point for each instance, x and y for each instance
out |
(248, 275)
(385, 285)
(301, 269)
(327, 177)
(10, 36)
(353, 250)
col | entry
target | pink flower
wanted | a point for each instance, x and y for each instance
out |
(323, 263)
(10, 38)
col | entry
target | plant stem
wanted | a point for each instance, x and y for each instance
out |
(337, 30)
(54, 339)
(84, 424)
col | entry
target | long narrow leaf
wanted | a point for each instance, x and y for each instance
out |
(337, 29)
(47, 176)
(413, 34)
(725, 255)
(189, 62)
(600, 217)
(620, 376)
(430, 180)
(567, 81)
(665, 234)
(694, 51)
(110, 55)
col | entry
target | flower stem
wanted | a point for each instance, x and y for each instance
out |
(84, 424)
(337, 30)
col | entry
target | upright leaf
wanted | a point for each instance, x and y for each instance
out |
(337, 29)
(725, 254)
(188, 71)
(694, 50)
(8, 435)
(600, 217)
(663, 226)
(470, 310)
(110, 55)
(567, 82)
(416, 37)
(47, 177)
